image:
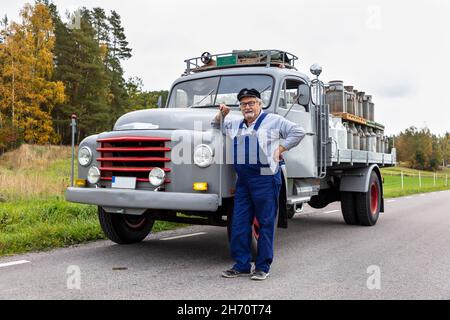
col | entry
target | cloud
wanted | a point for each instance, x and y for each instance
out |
(397, 89)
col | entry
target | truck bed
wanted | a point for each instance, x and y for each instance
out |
(348, 156)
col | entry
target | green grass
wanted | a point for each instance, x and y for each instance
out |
(46, 224)
(411, 183)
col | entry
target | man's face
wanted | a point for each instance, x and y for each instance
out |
(250, 108)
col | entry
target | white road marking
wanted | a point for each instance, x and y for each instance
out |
(408, 197)
(332, 211)
(422, 194)
(183, 236)
(390, 201)
(13, 263)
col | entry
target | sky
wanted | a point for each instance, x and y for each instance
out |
(397, 51)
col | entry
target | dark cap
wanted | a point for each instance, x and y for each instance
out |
(248, 93)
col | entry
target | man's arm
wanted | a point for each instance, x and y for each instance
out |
(220, 116)
(293, 135)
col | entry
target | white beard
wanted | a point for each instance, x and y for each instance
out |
(249, 116)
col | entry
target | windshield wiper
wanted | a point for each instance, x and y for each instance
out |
(198, 103)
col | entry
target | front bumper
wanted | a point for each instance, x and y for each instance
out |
(142, 199)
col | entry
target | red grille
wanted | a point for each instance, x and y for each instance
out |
(132, 157)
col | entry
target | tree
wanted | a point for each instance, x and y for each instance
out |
(118, 50)
(79, 64)
(30, 95)
(139, 99)
(420, 149)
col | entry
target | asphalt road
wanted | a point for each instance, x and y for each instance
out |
(318, 257)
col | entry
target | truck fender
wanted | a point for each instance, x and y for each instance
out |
(357, 180)
(282, 204)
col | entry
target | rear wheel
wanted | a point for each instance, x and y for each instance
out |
(367, 204)
(124, 228)
(348, 208)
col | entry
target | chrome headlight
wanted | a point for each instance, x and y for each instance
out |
(203, 156)
(84, 156)
(156, 177)
(93, 175)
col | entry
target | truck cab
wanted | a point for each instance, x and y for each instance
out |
(170, 163)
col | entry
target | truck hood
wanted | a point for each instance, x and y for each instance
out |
(170, 119)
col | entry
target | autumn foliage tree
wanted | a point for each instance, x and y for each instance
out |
(28, 94)
(420, 149)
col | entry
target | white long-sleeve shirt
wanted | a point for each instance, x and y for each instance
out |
(272, 128)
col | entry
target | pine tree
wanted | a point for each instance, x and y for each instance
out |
(79, 64)
(118, 50)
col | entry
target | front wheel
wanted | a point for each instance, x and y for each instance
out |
(124, 228)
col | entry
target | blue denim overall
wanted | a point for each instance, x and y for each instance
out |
(256, 196)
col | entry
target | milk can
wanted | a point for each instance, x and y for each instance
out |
(350, 98)
(349, 135)
(335, 96)
(356, 137)
(362, 139)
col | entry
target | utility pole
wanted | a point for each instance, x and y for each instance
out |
(73, 124)
(402, 179)
(13, 89)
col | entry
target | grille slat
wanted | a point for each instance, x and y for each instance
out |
(130, 149)
(132, 159)
(130, 169)
(133, 139)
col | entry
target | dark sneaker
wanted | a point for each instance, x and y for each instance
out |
(259, 275)
(233, 273)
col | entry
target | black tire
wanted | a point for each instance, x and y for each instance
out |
(318, 202)
(348, 208)
(291, 210)
(367, 204)
(123, 228)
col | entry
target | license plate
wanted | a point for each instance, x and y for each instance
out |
(123, 182)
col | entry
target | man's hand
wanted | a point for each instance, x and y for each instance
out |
(277, 155)
(223, 111)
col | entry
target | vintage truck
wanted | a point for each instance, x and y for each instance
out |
(169, 164)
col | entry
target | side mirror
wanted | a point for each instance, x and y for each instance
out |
(304, 95)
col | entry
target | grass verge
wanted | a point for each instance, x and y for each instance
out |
(412, 184)
(33, 212)
(46, 224)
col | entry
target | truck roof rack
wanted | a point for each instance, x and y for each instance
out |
(240, 58)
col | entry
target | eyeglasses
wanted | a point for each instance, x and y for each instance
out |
(250, 104)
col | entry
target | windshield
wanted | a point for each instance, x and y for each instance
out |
(213, 91)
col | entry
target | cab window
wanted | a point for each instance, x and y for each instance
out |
(289, 94)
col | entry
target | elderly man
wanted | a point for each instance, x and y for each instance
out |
(257, 153)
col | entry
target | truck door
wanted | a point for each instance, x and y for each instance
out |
(300, 161)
